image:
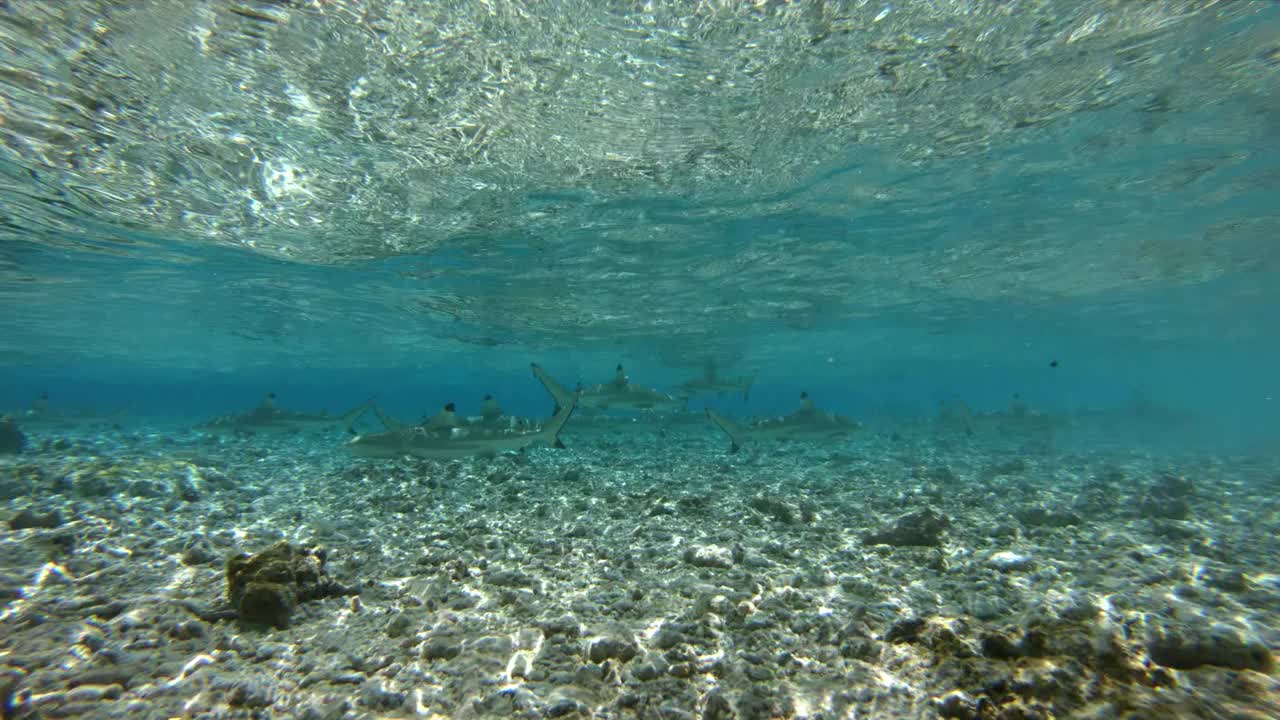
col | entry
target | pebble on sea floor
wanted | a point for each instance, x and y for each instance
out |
(1006, 561)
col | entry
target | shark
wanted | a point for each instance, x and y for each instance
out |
(1017, 422)
(622, 394)
(711, 382)
(267, 418)
(805, 424)
(465, 438)
(42, 418)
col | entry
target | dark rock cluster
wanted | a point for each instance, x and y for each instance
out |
(1169, 497)
(921, 527)
(265, 588)
(12, 439)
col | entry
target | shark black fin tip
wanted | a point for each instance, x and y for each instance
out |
(559, 445)
(450, 407)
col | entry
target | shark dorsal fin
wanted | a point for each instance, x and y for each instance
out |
(446, 418)
(490, 410)
(806, 404)
(619, 375)
(267, 407)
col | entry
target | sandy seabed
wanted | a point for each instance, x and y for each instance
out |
(636, 576)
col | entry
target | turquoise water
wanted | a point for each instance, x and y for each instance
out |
(1060, 217)
(935, 203)
(938, 202)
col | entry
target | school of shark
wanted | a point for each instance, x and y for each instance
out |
(449, 434)
(615, 408)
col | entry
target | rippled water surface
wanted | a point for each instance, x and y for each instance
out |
(835, 189)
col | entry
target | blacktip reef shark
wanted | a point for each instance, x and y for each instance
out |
(464, 438)
(710, 382)
(42, 418)
(806, 424)
(1017, 422)
(622, 394)
(267, 418)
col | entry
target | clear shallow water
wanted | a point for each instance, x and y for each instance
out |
(891, 204)
(1029, 245)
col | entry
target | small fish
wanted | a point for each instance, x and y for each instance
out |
(807, 424)
(267, 418)
(467, 438)
(622, 394)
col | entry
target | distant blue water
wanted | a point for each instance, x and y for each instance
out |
(1108, 204)
(1236, 391)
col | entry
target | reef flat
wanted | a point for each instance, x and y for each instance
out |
(637, 575)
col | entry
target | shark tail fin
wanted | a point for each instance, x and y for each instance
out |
(736, 432)
(566, 402)
(552, 431)
(350, 417)
(563, 397)
(387, 421)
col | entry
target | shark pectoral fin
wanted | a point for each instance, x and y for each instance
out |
(559, 445)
